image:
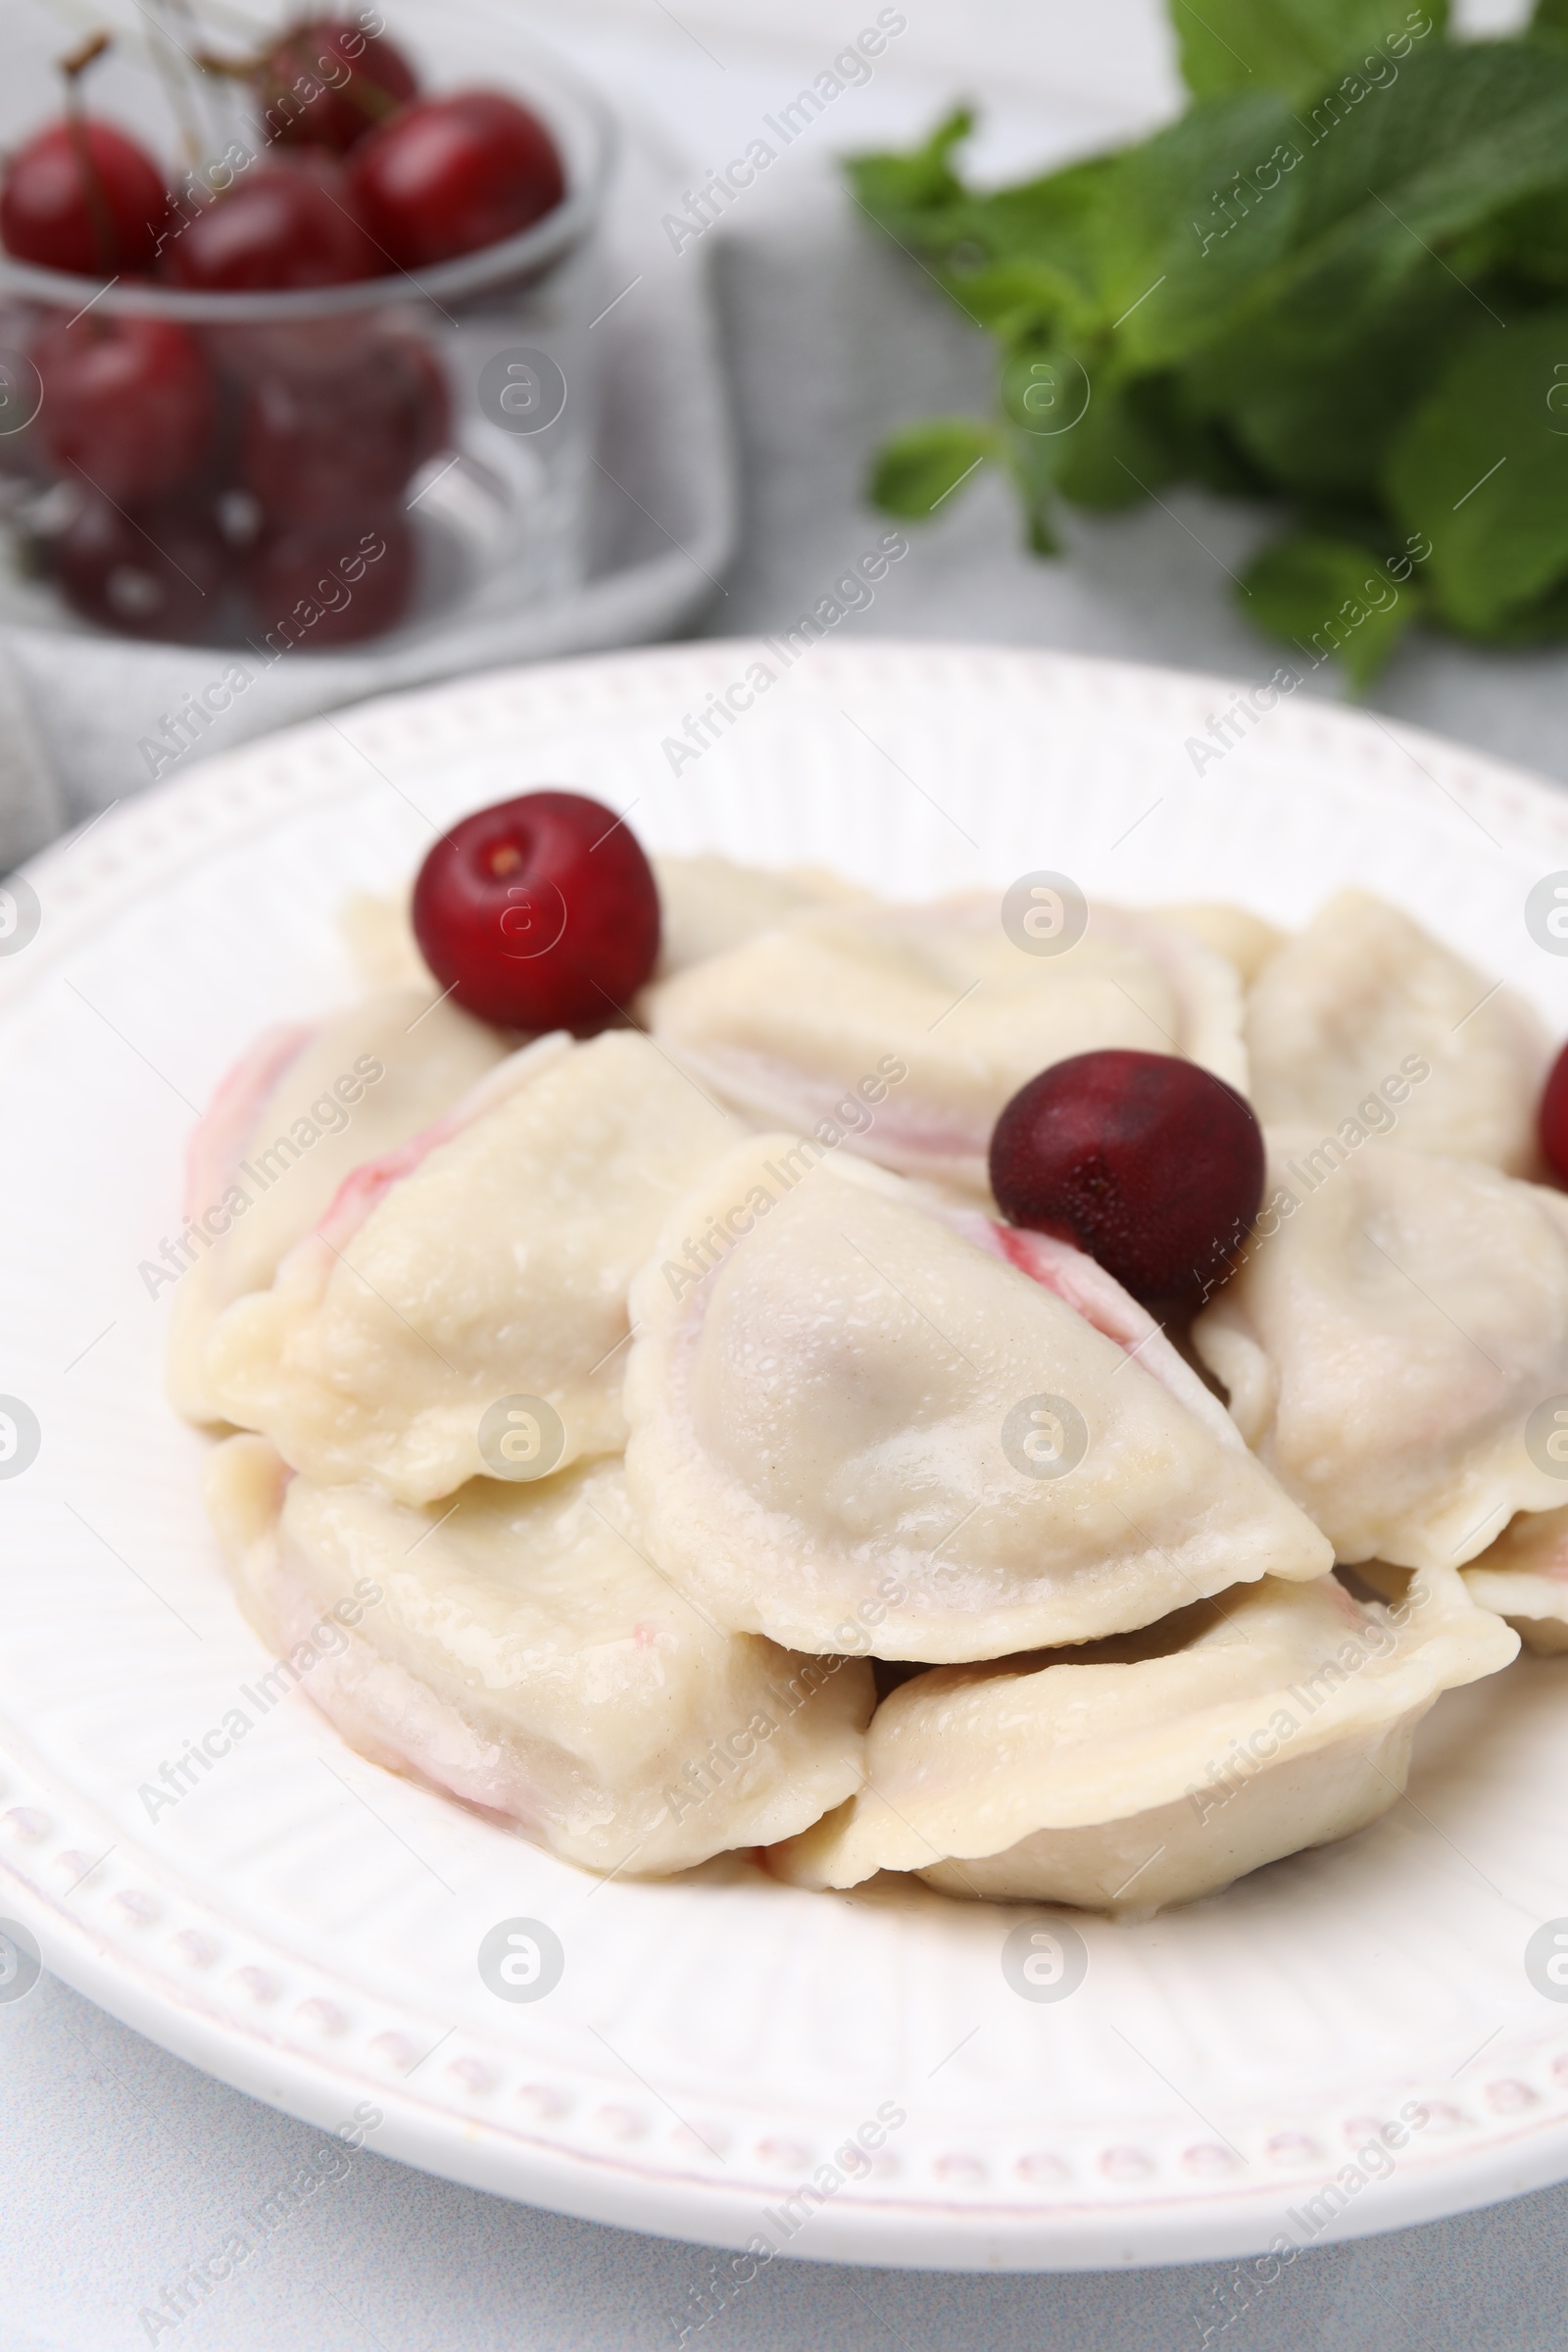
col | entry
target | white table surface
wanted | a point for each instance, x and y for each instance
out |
(119, 2163)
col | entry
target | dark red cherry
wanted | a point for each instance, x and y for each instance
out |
(1554, 1119)
(81, 196)
(22, 450)
(317, 587)
(128, 404)
(288, 224)
(1152, 1165)
(327, 84)
(156, 570)
(539, 913)
(320, 445)
(448, 176)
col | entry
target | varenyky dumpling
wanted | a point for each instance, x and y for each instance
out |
(491, 1260)
(1158, 1766)
(1395, 1323)
(292, 1119)
(378, 934)
(1524, 1574)
(910, 1027)
(1363, 1018)
(850, 1423)
(708, 904)
(516, 1649)
(1243, 937)
(1085, 1287)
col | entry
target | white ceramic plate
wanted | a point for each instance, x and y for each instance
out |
(307, 1926)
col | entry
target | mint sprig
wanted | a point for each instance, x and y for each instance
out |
(1339, 281)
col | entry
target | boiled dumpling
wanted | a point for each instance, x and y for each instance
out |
(708, 905)
(515, 1648)
(1395, 1324)
(1085, 1287)
(1243, 937)
(491, 1263)
(849, 1422)
(1162, 1765)
(378, 934)
(1523, 1576)
(1363, 1020)
(907, 1028)
(301, 1110)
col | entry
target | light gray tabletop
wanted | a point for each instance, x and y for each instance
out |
(119, 2163)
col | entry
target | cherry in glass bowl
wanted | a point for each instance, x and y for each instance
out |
(192, 452)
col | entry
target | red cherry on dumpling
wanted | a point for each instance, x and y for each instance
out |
(539, 913)
(448, 176)
(327, 83)
(82, 197)
(1152, 1165)
(1554, 1119)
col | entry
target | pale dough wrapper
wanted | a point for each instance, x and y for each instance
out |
(857, 1425)
(489, 1260)
(708, 904)
(1524, 1577)
(790, 1026)
(1244, 938)
(1361, 992)
(521, 1654)
(291, 1121)
(1165, 1765)
(378, 934)
(1392, 1328)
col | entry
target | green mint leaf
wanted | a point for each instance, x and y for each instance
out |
(1042, 540)
(1297, 295)
(1203, 443)
(1328, 215)
(1329, 598)
(1482, 468)
(1033, 464)
(894, 188)
(1541, 622)
(1054, 225)
(1290, 45)
(1549, 21)
(1318, 421)
(918, 469)
(1025, 254)
(1103, 442)
(1017, 301)
(1529, 241)
(1191, 220)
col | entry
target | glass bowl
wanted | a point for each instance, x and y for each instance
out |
(389, 457)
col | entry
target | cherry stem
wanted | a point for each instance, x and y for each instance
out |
(74, 66)
(370, 98)
(226, 69)
(106, 245)
(373, 102)
(173, 77)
